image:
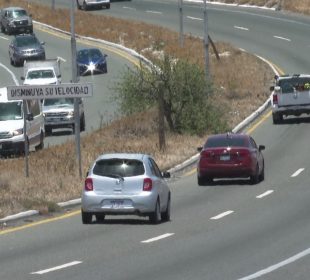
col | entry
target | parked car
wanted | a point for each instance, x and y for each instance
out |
(290, 96)
(230, 155)
(91, 61)
(25, 47)
(15, 20)
(126, 183)
(86, 4)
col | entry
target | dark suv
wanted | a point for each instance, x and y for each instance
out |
(25, 47)
(15, 20)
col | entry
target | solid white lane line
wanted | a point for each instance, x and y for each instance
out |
(277, 266)
(222, 215)
(297, 172)
(157, 238)
(11, 73)
(194, 18)
(241, 28)
(57, 267)
(154, 12)
(265, 194)
(282, 38)
(4, 38)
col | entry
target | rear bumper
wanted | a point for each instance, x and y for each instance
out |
(291, 110)
(225, 171)
(136, 204)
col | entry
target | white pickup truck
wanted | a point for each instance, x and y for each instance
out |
(290, 96)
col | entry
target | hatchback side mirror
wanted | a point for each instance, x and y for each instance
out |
(199, 149)
(261, 147)
(166, 174)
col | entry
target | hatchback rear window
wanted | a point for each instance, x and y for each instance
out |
(118, 168)
(226, 142)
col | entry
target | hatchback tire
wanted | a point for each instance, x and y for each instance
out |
(86, 217)
(155, 216)
(165, 216)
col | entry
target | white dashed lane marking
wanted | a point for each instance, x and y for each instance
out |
(157, 238)
(194, 18)
(222, 215)
(154, 12)
(57, 267)
(241, 28)
(297, 172)
(265, 194)
(282, 38)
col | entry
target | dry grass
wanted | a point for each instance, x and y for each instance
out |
(242, 81)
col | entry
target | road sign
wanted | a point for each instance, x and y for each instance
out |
(69, 90)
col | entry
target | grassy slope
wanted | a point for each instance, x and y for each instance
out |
(53, 171)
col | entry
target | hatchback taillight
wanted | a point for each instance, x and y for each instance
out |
(275, 99)
(207, 154)
(89, 184)
(147, 184)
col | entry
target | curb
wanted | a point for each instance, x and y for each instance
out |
(175, 169)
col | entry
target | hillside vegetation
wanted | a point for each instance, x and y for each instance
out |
(242, 84)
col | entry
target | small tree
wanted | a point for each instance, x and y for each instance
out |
(185, 90)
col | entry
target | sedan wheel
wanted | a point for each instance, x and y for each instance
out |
(255, 177)
(86, 217)
(155, 217)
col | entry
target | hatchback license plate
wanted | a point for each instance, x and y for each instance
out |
(225, 157)
(117, 203)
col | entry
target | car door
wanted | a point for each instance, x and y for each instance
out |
(160, 183)
(258, 155)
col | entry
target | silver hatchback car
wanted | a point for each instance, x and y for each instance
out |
(126, 184)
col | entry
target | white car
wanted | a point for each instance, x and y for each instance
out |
(12, 140)
(126, 184)
(86, 4)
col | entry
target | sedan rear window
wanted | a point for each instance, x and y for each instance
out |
(226, 142)
(118, 168)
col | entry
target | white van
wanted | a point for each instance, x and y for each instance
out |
(12, 141)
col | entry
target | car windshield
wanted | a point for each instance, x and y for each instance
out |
(297, 83)
(58, 101)
(11, 111)
(89, 53)
(40, 74)
(18, 13)
(26, 41)
(225, 142)
(118, 168)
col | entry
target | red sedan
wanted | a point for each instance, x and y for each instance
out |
(230, 155)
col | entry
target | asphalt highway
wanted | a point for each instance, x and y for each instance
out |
(227, 231)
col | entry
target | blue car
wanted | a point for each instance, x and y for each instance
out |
(91, 61)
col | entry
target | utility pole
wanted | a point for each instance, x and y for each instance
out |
(161, 117)
(53, 5)
(206, 38)
(181, 23)
(76, 100)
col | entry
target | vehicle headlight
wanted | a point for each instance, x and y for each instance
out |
(71, 114)
(17, 132)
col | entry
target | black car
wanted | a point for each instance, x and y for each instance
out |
(25, 47)
(91, 61)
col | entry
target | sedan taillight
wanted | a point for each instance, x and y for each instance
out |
(89, 184)
(147, 184)
(275, 99)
